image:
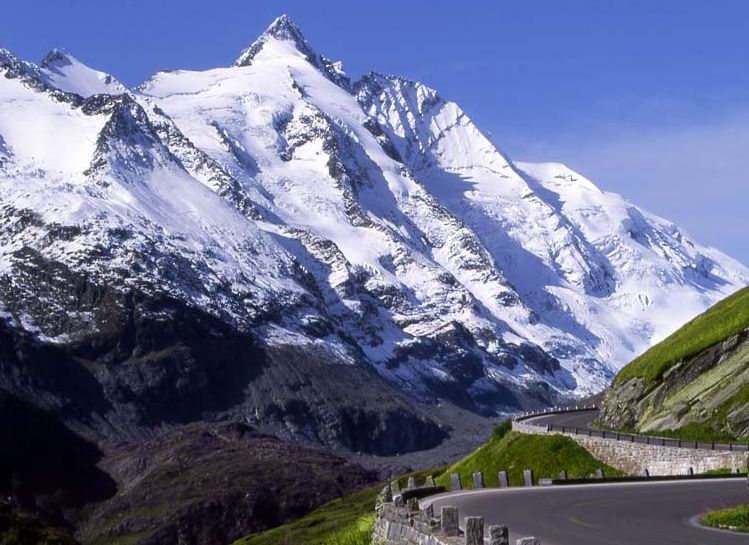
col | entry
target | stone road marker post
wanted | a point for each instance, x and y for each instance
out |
(528, 477)
(499, 535)
(449, 520)
(429, 481)
(411, 483)
(474, 531)
(563, 475)
(455, 482)
(387, 494)
(504, 482)
(429, 511)
(599, 473)
(478, 480)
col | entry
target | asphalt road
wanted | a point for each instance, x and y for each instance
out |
(658, 513)
(575, 419)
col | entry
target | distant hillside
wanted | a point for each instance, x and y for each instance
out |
(694, 383)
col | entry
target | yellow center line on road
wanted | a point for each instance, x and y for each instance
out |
(579, 522)
(591, 502)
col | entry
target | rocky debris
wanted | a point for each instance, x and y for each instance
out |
(213, 483)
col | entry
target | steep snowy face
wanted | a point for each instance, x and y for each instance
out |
(661, 273)
(63, 71)
(302, 149)
(373, 221)
(466, 172)
(588, 263)
(88, 186)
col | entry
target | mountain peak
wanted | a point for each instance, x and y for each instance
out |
(281, 29)
(61, 70)
(57, 57)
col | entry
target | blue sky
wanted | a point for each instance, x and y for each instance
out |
(648, 98)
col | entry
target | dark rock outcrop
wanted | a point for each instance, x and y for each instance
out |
(152, 363)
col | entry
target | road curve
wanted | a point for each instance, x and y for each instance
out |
(573, 419)
(659, 513)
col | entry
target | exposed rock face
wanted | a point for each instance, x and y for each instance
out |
(152, 362)
(710, 389)
(213, 483)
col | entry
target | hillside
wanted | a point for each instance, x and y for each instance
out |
(694, 384)
(344, 521)
(546, 455)
(207, 484)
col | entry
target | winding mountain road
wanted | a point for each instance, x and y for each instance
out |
(638, 513)
(658, 513)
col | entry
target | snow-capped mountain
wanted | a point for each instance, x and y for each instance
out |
(371, 223)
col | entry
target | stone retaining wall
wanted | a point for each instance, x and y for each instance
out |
(636, 458)
(397, 526)
(405, 523)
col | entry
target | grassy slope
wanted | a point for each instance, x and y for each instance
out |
(735, 518)
(344, 521)
(726, 318)
(546, 455)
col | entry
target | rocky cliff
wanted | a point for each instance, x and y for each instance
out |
(690, 383)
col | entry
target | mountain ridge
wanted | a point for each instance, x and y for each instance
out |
(370, 225)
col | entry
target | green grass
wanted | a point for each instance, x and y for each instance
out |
(703, 432)
(344, 521)
(735, 518)
(719, 471)
(358, 533)
(698, 431)
(726, 318)
(546, 455)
